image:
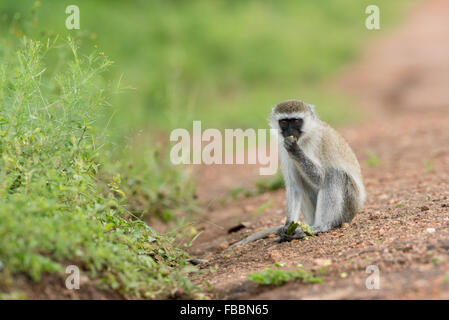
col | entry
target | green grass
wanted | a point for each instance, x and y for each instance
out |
(279, 277)
(373, 160)
(223, 62)
(56, 205)
(262, 208)
(429, 166)
(151, 186)
(263, 185)
(272, 183)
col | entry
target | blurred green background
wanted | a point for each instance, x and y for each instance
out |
(223, 62)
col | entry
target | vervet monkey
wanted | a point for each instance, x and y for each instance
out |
(322, 175)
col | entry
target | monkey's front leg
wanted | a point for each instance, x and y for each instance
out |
(293, 185)
(310, 170)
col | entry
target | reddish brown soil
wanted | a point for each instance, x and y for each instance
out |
(52, 287)
(402, 83)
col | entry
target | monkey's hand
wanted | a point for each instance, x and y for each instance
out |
(283, 236)
(291, 145)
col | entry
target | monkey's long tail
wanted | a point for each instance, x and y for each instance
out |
(256, 236)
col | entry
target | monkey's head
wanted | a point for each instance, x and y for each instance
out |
(293, 118)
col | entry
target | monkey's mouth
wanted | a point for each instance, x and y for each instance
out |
(295, 135)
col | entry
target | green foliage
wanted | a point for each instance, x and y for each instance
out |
(307, 229)
(223, 62)
(304, 227)
(372, 160)
(262, 208)
(278, 276)
(53, 206)
(429, 166)
(272, 183)
(292, 227)
(151, 186)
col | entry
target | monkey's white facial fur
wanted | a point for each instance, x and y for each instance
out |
(294, 109)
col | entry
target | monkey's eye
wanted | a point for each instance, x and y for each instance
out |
(297, 122)
(283, 123)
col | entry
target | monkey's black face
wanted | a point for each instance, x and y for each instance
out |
(291, 127)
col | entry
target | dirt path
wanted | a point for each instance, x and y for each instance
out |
(402, 82)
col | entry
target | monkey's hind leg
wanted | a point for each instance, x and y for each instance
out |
(335, 202)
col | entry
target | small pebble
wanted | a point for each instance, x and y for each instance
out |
(430, 230)
(223, 245)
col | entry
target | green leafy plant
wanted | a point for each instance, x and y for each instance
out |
(304, 226)
(270, 184)
(372, 160)
(278, 276)
(429, 166)
(262, 208)
(58, 203)
(291, 228)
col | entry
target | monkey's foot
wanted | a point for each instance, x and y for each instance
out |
(283, 236)
(320, 229)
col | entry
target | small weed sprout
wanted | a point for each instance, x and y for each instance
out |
(429, 167)
(372, 160)
(278, 276)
